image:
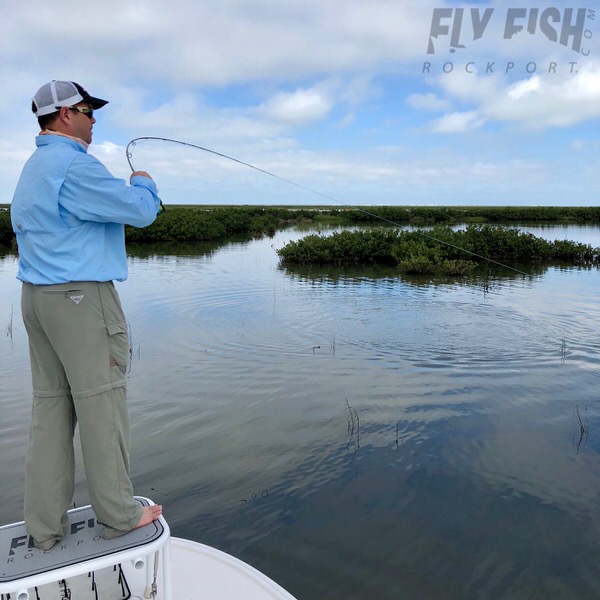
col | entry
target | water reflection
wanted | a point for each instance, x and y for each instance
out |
(357, 434)
(485, 276)
(171, 249)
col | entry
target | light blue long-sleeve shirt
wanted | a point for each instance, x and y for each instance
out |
(69, 215)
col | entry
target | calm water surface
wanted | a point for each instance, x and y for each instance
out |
(357, 435)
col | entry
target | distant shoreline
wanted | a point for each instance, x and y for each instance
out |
(210, 222)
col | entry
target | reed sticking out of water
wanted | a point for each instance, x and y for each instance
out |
(563, 350)
(399, 440)
(331, 347)
(353, 424)
(9, 327)
(583, 430)
(129, 366)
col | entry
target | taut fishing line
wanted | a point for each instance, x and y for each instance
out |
(133, 142)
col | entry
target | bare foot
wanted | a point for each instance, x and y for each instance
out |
(149, 514)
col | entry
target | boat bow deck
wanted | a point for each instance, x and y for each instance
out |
(83, 549)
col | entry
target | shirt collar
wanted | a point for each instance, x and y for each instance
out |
(71, 137)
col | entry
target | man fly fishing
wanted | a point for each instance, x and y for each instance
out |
(69, 215)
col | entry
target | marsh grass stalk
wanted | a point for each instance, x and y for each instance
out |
(9, 327)
(563, 350)
(399, 440)
(353, 424)
(583, 430)
(331, 347)
(129, 366)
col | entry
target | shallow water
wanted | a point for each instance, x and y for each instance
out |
(354, 434)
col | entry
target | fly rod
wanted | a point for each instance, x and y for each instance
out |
(131, 145)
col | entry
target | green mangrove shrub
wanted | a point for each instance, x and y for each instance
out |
(190, 223)
(438, 250)
(6, 232)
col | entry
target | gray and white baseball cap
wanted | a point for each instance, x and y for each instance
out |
(51, 96)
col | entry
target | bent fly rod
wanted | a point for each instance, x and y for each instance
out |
(131, 145)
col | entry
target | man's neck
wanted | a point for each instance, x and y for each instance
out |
(71, 137)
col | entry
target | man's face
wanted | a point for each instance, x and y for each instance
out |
(83, 121)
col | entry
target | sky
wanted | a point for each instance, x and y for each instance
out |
(378, 102)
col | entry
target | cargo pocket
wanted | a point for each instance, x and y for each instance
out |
(118, 347)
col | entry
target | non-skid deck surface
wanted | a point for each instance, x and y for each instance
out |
(83, 541)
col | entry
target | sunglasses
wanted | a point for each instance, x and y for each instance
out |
(86, 110)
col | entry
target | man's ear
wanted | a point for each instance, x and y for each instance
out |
(64, 113)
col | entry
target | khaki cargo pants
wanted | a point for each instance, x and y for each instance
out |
(79, 351)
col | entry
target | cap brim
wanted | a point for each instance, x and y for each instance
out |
(86, 97)
(96, 102)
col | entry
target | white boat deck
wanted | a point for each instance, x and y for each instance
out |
(25, 570)
(144, 562)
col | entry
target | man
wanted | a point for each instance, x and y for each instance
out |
(69, 214)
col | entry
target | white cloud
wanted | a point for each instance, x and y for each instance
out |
(523, 88)
(299, 107)
(548, 103)
(109, 148)
(457, 122)
(311, 90)
(213, 43)
(536, 102)
(577, 145)
(308, 105)
(429, 102)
